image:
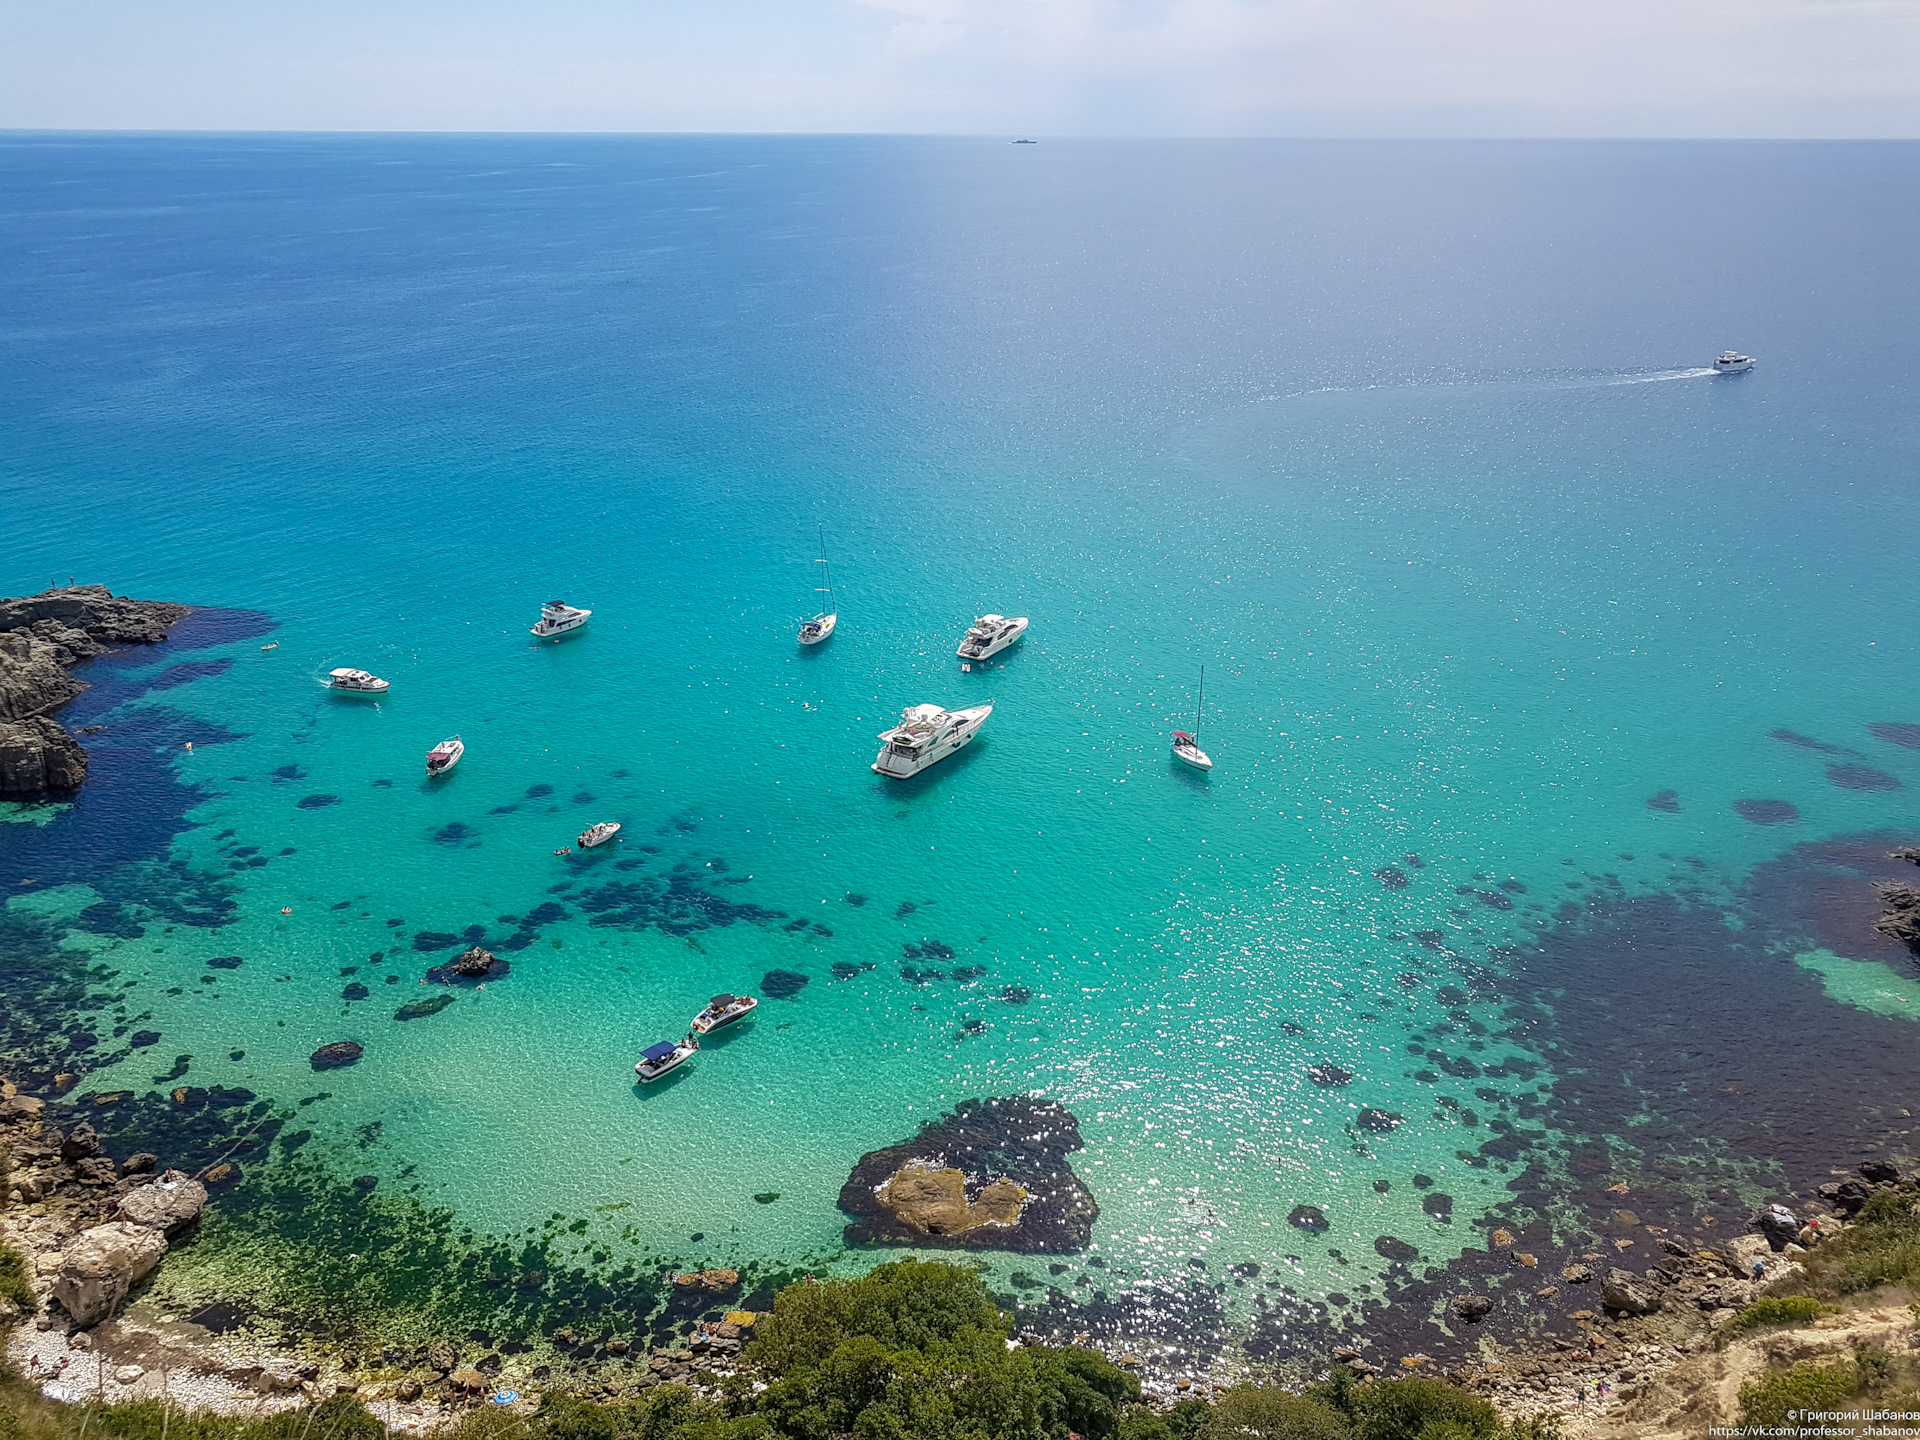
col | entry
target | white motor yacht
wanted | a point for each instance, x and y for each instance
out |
(821, 625)
(598, 834)
(1733, 362)
(722, 1011)
(991, 634)
(664, 1058)
(444, 756)
(558, 618)
(1186, 748)
(925, 736)
(356, 682)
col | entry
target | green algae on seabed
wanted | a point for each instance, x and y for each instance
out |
(307, 1256)
(418, 1009)
(1865, 984)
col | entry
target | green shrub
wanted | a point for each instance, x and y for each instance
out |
(1263, 1412)
(1776, 1310)
(1881, 1247)
(1771, 1399)
(13, 1280)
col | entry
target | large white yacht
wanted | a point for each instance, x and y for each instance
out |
(1733, 362)
(925, 736)
(356, 682)
(821, 625)
(558, 618)
(991, 634)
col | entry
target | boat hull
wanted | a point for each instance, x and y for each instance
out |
(704, 1026)
(434, 772)
(373, 691)
(590, 841)
(649, 1075)
(810, 635)
(1194, 759)
(896, 766)
(543, 631)
(969, 650)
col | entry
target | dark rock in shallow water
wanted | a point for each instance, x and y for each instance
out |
(1894, 732)
(998, 1168)
(1379, 1122)
(1766, 812)
(1439, 1205)
(855, 898)
(140, 1039)
(1469, 1309)
(224, 962)
(1391, 878)
(317, 802)
(419, 1009)
(472, 965)
(356, 991)
(782, 984)
(1310, 1218)
(1860, 777)
(846, 969)
(339, 1054)
(1665, 800)
(1902, 918)
(1388, 1248)
(1015, 995)
(1328, 1077)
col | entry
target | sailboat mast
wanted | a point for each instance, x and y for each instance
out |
(826, 569)
(1200, 705)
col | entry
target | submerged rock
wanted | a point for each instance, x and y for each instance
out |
(102, 1265)
(1380, 1122)
(472, 964)
(419, 1009)
(1470, 1309)
(1310, 1218)
(782, 984)
(1328, 1077)
(993, 1174)
(337, 1055)
(1388, 1247)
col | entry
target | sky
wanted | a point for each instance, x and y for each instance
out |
(1681, 68)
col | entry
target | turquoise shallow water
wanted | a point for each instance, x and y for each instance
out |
(1409, 446)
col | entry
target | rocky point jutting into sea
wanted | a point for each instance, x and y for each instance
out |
(43, 639)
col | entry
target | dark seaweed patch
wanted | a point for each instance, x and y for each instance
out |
(536, 792)
(288, 772)
(427, 941)
(316, 802)
(1894, 732)
(225, 962)
(141, 1039)
(854, 898)
(417, 1009)
(1432, 939)
(676, 905)
(782, 984)
(1329, 1076)
(1804, 742)
(1667, 801)
(920, 977)
(905, 908)
(928, 950)
(1015, 995)
(452, 833)
(1390, 878)
(355, 991)
(846, 969)
(1766, 812)
(1860, 777)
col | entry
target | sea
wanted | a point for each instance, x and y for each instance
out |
(1550, 679)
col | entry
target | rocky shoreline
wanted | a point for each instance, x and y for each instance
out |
(42, 639)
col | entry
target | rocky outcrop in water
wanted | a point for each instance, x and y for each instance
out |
(102, 1265)
(337, 1055)
(992, 1175)
(169, 1205)
(42, 637)
(1901, 921)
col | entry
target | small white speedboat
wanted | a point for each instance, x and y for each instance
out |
(821, 625)
(598, 834)
(664, 1058)
(444, 756)
(558, 618)
(1733, 362)
(925, 736)
(991, 634)
(356, 682)
(722, 1011)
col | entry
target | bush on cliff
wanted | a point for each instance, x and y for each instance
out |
(1774, 1310)
(1773, 1399)
(918, 1351)
(1881, 1247)
(13, 1281)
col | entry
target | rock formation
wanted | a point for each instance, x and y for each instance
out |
(102, 1265)
(42, 637)
(1902, 918)
(169, 1205)
(993, 1174)
(336, 1055)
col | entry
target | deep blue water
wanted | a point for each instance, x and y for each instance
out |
(1408, 444)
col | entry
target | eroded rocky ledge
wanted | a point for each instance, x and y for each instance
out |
(42, 638)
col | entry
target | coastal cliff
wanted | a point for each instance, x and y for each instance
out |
(42, 638)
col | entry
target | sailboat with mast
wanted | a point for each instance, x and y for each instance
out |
(1186, 748)
(821, 625)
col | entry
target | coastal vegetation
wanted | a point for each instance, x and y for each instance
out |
(913, 1349)
(1880, 1247)
(1775, 1310)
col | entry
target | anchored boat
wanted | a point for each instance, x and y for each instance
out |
(664, 1058)
(598, 834)
(557, 618)
(1186, 748)
(925, 736)
(991, 634)
(722, 1011)
(821, 625)
(444, 756)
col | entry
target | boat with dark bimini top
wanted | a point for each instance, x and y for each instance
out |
(1186, 748)
(444, 756)
(664, 1058)
(722, 1011)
